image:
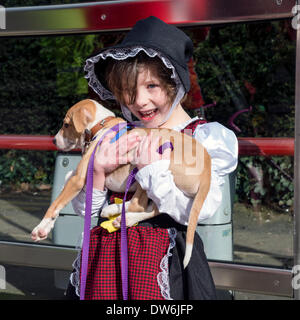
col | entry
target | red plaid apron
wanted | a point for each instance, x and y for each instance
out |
(147, 246)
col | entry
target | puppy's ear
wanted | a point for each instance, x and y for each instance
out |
(81, 119)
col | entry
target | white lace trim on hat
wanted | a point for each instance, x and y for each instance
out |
(121, 54)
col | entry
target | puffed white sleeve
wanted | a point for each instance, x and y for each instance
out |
(222, 146)
(98, 201)
(157, 180)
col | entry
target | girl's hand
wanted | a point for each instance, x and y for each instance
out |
(147, 151)
(110, 155)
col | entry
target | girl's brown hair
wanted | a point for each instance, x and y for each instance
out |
(121, 77)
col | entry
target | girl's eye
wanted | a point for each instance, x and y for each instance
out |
(66, 125)
(152, 85)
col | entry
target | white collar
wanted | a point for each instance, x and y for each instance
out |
(183, 125)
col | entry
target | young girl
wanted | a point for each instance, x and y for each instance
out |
(148, 75)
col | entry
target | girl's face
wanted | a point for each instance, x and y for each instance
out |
(151, 104)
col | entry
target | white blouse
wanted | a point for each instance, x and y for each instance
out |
(155, 178)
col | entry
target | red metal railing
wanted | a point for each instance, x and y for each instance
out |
(247, 146)
(266, 146)
(27, 142)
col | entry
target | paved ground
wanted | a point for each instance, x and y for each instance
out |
(261, 239)
(264, 238)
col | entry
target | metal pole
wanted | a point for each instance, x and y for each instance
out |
(297, 165)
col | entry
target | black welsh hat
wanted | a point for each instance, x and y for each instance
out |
(154, 37)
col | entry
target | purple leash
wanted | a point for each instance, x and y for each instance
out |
(88, 213)
(165, 146)
(87, 221)
(124, 246)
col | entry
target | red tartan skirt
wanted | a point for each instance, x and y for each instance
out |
(147, 246)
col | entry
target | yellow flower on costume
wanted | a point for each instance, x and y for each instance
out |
(108, 224)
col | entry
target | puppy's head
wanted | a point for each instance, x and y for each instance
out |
(77, 120)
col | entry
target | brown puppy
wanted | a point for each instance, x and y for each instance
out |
(191, 178)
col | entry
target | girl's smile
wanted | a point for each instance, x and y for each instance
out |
(148, 115)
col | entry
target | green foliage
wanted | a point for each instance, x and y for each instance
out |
(262, 55)
(41, 77)
(30, 167)
(275, 187)
(69, 54)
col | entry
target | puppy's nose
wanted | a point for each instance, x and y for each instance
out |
(54, 141)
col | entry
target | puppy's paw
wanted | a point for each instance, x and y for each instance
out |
(113, 209)
(132, 218)
(117, 222)
(41, 231)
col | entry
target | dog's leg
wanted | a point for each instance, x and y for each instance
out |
(70, 190)
(194, 214)
(113, 209)
(138, 209)
(138, 202)
(134, 217)
(41, 231)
